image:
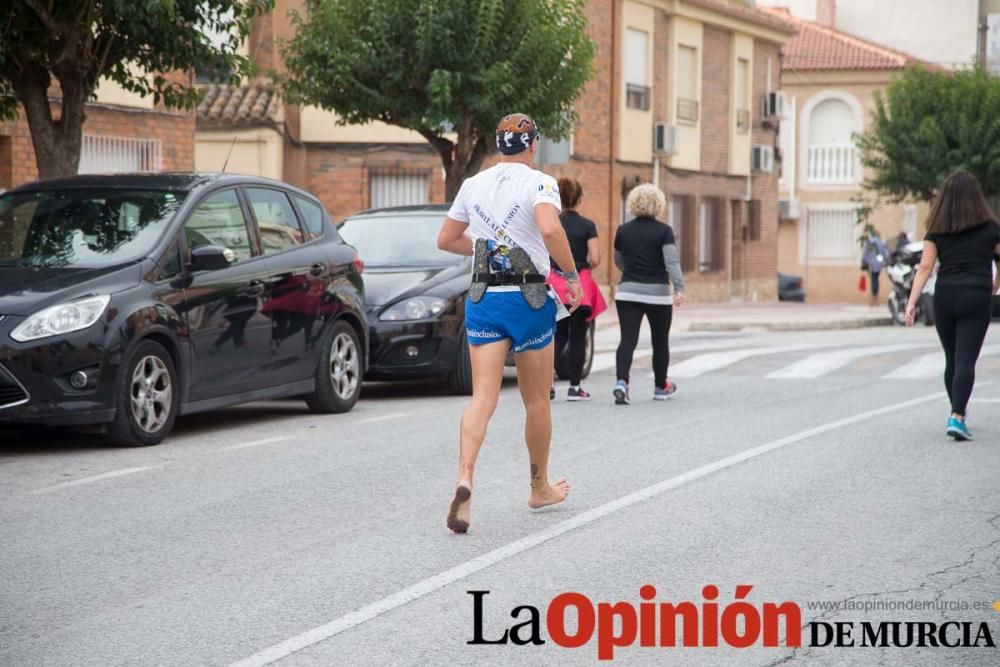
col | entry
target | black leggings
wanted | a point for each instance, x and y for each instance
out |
(629, 320)
(573, 329)
(962, 316)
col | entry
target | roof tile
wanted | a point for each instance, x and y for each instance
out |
(251, 104)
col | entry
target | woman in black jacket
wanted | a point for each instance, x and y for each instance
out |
(652, 284)
(962, 232)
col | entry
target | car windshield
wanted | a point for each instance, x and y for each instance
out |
(86, 228)
(392, 240)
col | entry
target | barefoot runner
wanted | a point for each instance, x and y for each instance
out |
(507, 217)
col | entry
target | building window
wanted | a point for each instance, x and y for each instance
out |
(830, 233)
(101, 155)
(687, 84)
(742, 95)
(636, 69)
(709, 235)
(830, 157)
(679, 208)
(398, 189)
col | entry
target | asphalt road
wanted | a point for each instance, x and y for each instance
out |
(812, 466)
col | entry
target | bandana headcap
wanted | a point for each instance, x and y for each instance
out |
(515, 132)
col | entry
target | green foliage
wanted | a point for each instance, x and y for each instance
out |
(438, 65)
(927, 125)
(129, 41)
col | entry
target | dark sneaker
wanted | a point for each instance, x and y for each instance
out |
(958, 430)
(577, 394)
(621, 393)
(663, 393)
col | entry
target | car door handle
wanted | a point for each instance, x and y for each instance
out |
(318, 269)
(254, 288)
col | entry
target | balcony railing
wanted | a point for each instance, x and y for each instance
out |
(831, 164)
(742, 120)
(687, 110)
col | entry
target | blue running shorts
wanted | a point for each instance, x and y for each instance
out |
(505, 314)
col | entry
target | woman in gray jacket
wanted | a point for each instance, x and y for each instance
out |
(652, 283)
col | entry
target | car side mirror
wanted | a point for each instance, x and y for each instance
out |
(211, 258)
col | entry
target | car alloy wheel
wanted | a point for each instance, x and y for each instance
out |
(344, 366)
(151, 394)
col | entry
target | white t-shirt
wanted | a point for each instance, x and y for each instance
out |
(499, 204)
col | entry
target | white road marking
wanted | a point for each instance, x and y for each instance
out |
(984, 400)
(256, 443)
(605, 360)
(931, 365)
(817, 365)
(712, 361)
(94, 478)
(442, 579)
(382, 418)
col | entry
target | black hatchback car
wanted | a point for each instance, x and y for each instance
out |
(415, 296)
(127, 300)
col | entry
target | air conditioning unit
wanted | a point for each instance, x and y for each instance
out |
(665, 139)
(762, 159)
(773, 105)
(788, 209)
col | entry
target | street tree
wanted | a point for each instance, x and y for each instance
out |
(60, 48)
(927, 125)
(444, 68)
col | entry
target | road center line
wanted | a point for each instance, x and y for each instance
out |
(256, 443)
(94, 478)
(440, 580)
(383, 418)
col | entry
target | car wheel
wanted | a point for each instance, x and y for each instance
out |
(460, 378)
(562, 368)
(146, 401)
(338, 375)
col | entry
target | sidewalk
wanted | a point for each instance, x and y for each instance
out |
(772, 316)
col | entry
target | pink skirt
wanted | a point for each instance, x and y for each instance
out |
(592, 296)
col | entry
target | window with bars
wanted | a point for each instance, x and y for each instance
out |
(101, 154)
(387, 189)
(636, 69)
(687, 84)
(680, 207)
(831, 232)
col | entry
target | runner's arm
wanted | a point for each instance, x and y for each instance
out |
(594, 252)
(452, 237)
(554, 236)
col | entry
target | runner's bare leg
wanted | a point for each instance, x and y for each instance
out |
(534, 375)
(487, 377)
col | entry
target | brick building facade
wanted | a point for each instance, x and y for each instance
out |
(725, 214)
(122, 132)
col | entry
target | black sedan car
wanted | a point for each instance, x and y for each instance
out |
(415, 297)
(127, 300)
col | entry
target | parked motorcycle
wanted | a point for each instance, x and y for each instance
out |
(901, 273)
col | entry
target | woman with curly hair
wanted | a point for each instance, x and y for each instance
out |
(651, 284)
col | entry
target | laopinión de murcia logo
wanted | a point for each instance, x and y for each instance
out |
(709, 623)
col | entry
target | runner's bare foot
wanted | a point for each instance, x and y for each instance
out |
(549, 495)
(460, 511)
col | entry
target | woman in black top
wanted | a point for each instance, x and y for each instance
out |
(963, 233)
(582, 235)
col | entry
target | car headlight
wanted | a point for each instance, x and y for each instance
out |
(61, 319)
(417, 308)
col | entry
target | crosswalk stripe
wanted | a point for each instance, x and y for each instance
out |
(817, 365)
(606, 359)
(931, 365)
(704, 363)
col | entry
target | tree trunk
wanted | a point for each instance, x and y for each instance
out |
(461, 159)
(57, 143)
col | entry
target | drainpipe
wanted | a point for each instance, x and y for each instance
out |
(613, 146)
